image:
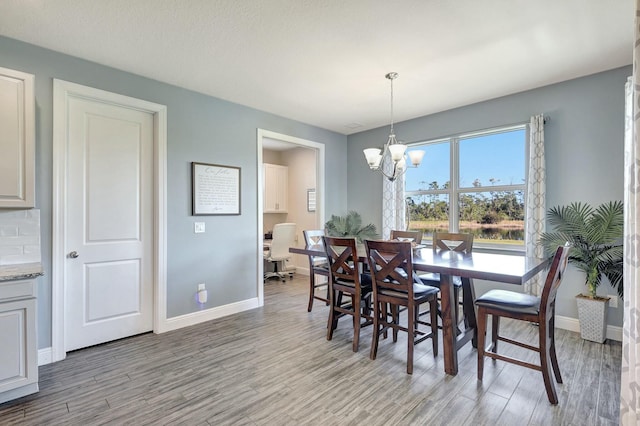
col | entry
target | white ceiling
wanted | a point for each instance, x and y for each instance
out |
(323, 62)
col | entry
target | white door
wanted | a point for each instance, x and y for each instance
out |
(109, 230)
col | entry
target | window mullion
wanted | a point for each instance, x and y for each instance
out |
(454, 187)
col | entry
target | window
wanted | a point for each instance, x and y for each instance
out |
(471, 183)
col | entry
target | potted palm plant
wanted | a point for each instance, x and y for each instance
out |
(596, 238)
(350, 226)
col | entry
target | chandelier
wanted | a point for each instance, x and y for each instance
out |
(393, 151)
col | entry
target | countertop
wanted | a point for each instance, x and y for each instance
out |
(20, 271)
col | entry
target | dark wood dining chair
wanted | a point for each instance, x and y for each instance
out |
(345, 278)
(395, 285)
(524, 307)
(411, 236)
(460, 243)
(318, 265)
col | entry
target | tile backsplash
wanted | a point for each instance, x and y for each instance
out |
(19, 236)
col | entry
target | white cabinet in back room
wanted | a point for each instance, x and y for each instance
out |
(276, 188)
(17, 139)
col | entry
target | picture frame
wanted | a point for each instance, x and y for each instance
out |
(215, 189)
(311, 200)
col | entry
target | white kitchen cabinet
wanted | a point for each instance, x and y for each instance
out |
(19, 352)
(276, 188)
(17, 139)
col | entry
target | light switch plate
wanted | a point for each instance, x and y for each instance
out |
(198, 227)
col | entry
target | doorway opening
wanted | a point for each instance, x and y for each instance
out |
(302, 163)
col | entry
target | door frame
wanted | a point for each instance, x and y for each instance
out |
(62, 92)
(319, 148)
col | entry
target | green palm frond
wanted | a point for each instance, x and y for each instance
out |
(350, 226)
(596, 239)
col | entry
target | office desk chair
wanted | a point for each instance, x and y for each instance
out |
(284, 235)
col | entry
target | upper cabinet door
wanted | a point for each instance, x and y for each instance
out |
(17, 139)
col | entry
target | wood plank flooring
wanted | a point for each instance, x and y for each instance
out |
(274, 366)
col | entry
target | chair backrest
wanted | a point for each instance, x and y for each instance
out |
(411, 236)
(284, 236)
(313, 237)
(343, 259)
(391, 265)
(448, 241)
(554, 278)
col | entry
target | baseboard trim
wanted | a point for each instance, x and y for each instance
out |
(208, 315)
(44, 356)
(572, 324)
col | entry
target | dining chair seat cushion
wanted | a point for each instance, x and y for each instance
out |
(433, 279)
(320, 262)
(419, 291)
(510, 301)
(365, 282)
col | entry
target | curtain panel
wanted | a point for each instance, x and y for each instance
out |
(630, 375)
(393, 204)
(536, 206)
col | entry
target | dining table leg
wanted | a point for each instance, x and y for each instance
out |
(448, 325)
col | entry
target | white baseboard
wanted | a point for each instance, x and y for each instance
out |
(207, 315)
(572, 324)
(44, 356)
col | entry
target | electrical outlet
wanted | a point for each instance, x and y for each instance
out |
(201, 294)
(613, 300)
(198, 227)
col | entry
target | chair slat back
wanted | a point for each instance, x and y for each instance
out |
(411, 236)
(448, 241)
(554, 278)
(313, 237)
(391, 265)
(343, 259)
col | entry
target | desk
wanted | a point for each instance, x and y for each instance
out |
(486, 266)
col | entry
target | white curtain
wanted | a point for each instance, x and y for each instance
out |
(630, 383)
(536, 207)
(393, 203)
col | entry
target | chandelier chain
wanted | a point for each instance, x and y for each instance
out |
(391, 104)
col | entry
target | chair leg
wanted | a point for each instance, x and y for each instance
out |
(433, 307)
(395, 319)
(411, 337)
(336, 299)
(355, 302)
(495, 329)
(312, 282)
(545, 362)
(456, 304)
(552, 350)
(376, 330)
(482, 333)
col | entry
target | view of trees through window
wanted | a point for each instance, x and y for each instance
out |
(486, 180)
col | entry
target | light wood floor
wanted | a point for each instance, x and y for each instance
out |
(274, 366)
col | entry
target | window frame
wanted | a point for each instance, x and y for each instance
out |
(454, 191)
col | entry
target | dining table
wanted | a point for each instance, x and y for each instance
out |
(503, 268)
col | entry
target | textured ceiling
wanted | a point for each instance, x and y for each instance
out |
(323, 62)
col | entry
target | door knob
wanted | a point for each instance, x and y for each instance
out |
(74, 254)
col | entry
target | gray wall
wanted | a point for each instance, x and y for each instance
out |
(583, 146)
(200, 128)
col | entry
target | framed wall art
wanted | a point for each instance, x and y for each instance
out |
(216, 189)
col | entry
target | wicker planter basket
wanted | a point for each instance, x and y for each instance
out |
(592, 314)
